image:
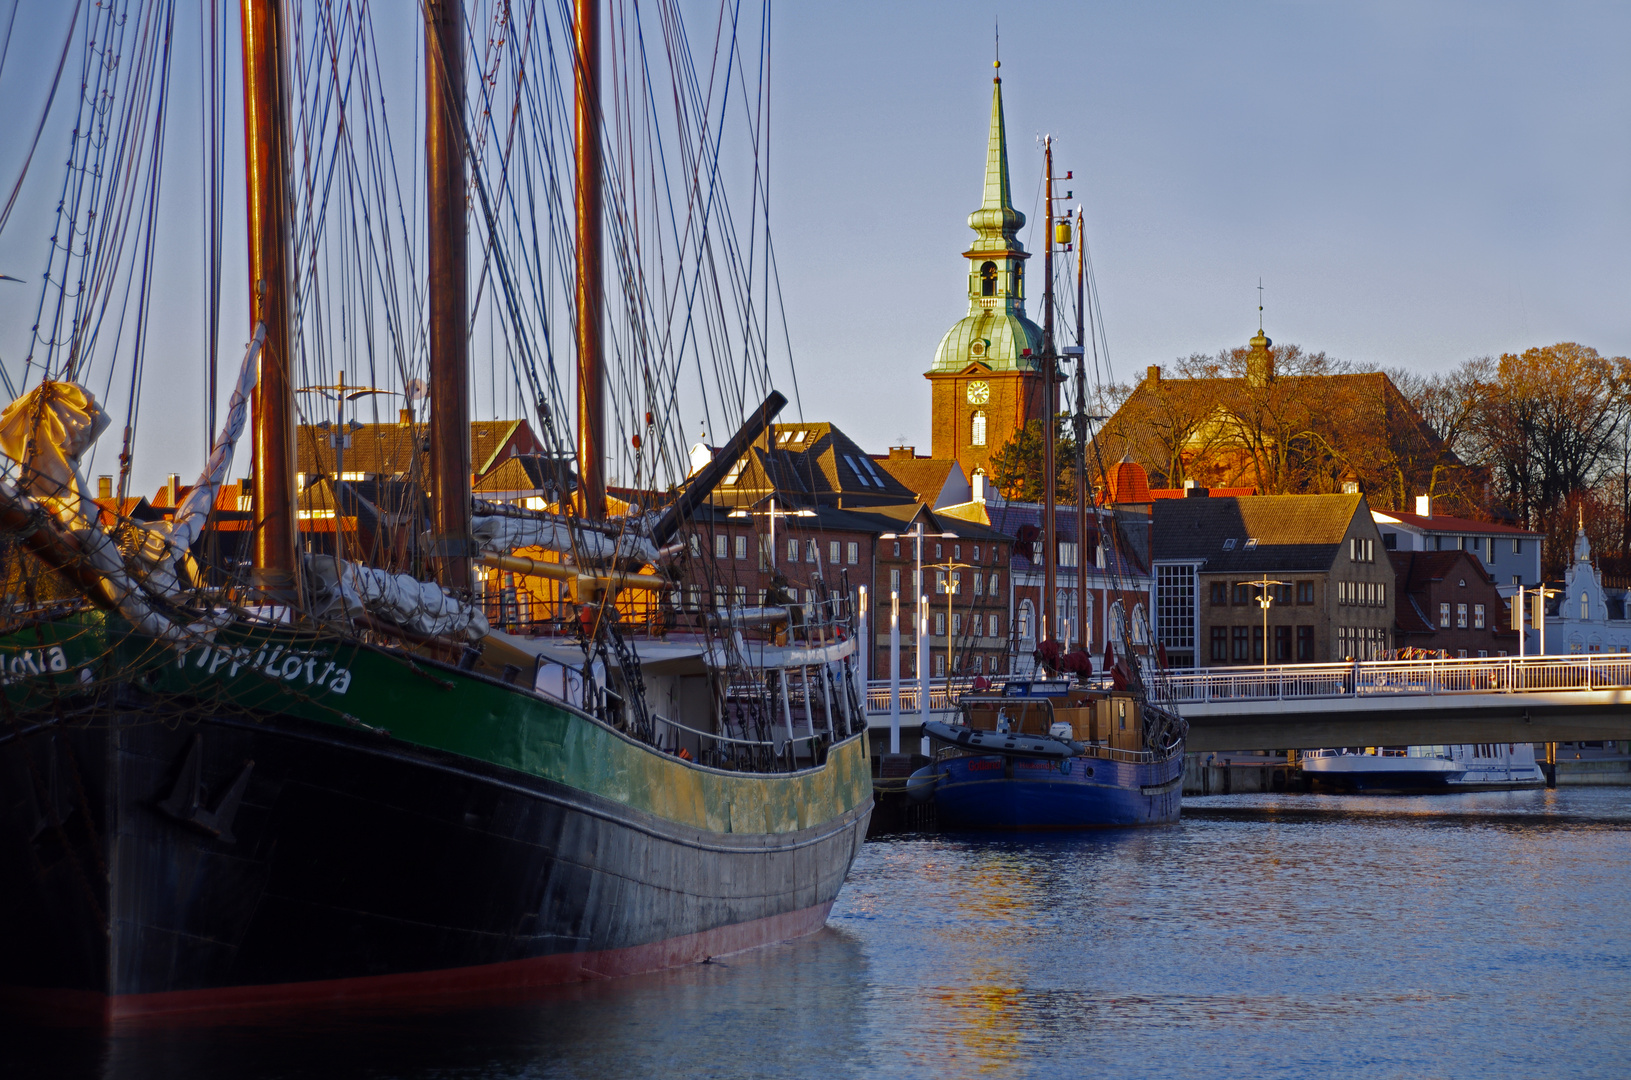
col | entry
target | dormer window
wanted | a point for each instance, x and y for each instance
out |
(988, 279)
(1229, 544)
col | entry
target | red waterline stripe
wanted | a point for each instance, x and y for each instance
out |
(510, 975)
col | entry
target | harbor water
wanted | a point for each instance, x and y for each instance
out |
(1471, 935)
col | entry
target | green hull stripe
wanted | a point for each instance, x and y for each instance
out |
(342, 683)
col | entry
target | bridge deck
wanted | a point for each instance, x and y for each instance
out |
(1377, 703)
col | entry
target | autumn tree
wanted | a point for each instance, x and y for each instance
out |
(1016, 469)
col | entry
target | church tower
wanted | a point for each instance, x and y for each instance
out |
(987, 382)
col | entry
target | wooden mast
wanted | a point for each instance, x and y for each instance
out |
(452, 546)
(1084, 490)
(275, 554)
(1050, 407)
(590, 284)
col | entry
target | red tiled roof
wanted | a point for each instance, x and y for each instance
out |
(1216, 493)
(1444, 524)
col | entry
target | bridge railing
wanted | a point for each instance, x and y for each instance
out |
(1413, 677)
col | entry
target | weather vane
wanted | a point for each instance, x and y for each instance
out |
(1259, 305)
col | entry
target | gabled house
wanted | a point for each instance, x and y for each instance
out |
(1317, 560)
(1444, 601)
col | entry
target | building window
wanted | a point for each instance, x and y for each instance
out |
(995, 629)
(993, 591)
(722, 596)
(741, 592)
(940, 624)
(1257, 644)
(979, 585)
(852, 554)
(765, 552)
(693, 597)
(1390, 541)
(894, 580)
(1305, 644)
(696, 544)
(1175, 606)
(1585, 608)
(1305, 592)
(1490, 557)
(1478, 616)
(988, 279)
(1220, 643)
(1444, 616)
(832, 553)
(976, 433)
(1067, 553)
(1282, 643)
(811, 552)
(897, 549)
(741, 547)
(1025, 619)
(976, 553)
(1243, 593)
(957, 625)
(722, 546)
(1361, 550)
(1517, 547)
(1220, 593)
(1242, 639)
(939, 663)
(957, 552)
(940, 582)
(1461, 616)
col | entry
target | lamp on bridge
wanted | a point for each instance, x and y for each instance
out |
(1265, 600)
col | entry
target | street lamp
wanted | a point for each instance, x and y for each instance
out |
(1265, 600)
(772, 514)
(951, 584)
(920, 606)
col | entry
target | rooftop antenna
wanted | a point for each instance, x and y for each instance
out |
(1259, 305)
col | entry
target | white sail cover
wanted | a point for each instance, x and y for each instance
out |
(343, 588)
(506, 534)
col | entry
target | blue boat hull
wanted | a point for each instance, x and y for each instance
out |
(996, 792)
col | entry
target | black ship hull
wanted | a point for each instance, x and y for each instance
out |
(155, 864)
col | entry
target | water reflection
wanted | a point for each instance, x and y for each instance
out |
(1468, 935)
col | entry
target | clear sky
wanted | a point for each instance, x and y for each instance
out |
(1415, 183)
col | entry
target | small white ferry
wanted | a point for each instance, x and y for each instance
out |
(1496, 767)
(1381, 769)
(1423, 769)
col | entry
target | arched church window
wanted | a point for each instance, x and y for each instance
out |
(988, 279)
(977, 432)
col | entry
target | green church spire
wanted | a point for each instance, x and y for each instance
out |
(997, 222)
(995, 333)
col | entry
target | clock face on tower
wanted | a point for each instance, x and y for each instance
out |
(979, 392)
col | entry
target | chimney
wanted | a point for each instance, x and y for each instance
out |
(173, 489)
(405, 418)
(1153, 373)
(1424, 506)
(979, 485)
(104, 487)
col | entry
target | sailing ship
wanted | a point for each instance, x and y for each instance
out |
(1072, 751)
(310, 778)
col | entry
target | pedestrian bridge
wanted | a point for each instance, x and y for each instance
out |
(1377, 703)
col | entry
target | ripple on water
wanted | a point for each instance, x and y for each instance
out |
(1479, 935)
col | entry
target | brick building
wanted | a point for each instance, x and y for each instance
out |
(1446, 601)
